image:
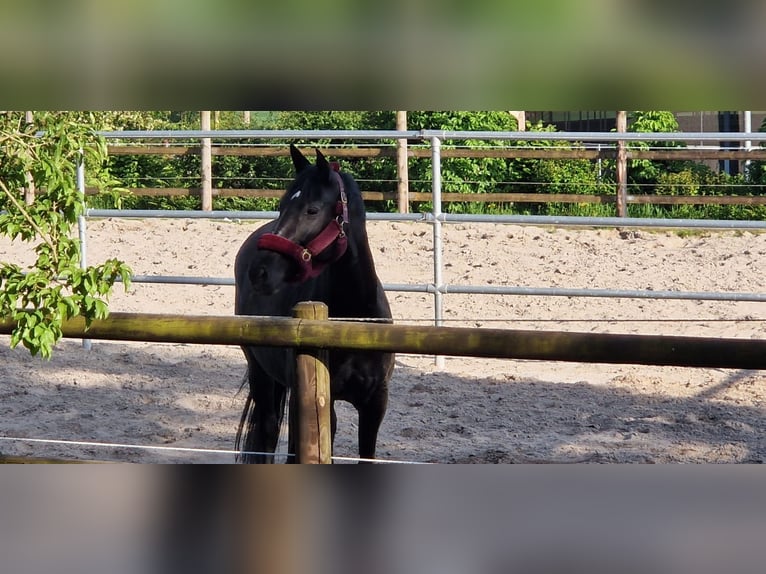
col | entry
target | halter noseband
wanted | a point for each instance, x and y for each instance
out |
(333, 234)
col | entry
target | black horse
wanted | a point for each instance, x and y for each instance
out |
(317, 249)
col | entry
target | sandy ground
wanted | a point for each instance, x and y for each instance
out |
(473, 410)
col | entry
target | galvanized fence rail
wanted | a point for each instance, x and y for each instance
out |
(436, 218)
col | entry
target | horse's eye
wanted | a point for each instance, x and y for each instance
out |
(312, 210)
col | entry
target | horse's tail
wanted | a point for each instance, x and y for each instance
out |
(256, 434)
(247, 414)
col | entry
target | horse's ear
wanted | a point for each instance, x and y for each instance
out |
(323, 165)
(299, 160)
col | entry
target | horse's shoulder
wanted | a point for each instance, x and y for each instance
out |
(249, 247)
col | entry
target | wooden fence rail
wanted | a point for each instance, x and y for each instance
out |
(607, 152)
(467, 197)
(312, 335)
(453, 341)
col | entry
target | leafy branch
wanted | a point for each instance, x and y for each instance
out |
(20, 208)
(54, 288)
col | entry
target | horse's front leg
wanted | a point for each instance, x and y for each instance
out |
(333, 423)
(371, 414)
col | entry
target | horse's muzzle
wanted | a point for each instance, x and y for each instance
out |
(266, 279)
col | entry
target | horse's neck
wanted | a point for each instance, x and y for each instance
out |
(355, 283)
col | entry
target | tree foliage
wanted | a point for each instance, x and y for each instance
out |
(459, 175)
(54, 288)
(464, 175)
(644, 171)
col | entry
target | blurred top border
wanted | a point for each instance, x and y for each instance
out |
(405, 54)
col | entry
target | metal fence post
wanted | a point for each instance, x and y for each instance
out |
(748, 144)
(82, 229)
(436, 166)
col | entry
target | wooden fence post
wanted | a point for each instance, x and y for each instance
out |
(622, 167)
(207, 165)
(402, 168)
(314, 440)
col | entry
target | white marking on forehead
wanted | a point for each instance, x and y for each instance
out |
(296, 195)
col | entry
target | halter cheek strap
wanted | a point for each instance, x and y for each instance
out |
(333, 235)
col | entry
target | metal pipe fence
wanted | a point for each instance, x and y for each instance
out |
(427, 135)
(436, 217)
(438, 289)
(595, 146)
(614, 345)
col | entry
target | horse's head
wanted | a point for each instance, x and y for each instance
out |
(310, 232)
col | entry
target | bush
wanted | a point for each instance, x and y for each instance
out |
(678, 183)
(459, 175)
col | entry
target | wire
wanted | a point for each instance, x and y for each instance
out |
(533, 320)
(136, 446)
(376, 460)
(189, 449)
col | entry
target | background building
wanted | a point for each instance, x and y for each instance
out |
(708, 121)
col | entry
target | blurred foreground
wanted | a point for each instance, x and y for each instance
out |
(126, 519)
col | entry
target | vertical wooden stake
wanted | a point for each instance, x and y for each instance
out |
(402, 169)
(314, 440)
(207, 165)
(622, 168)
(521, 120)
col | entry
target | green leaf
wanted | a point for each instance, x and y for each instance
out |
(35, 301)
(101, 309)
(126, 275)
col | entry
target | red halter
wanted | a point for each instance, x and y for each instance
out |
(333, 234)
